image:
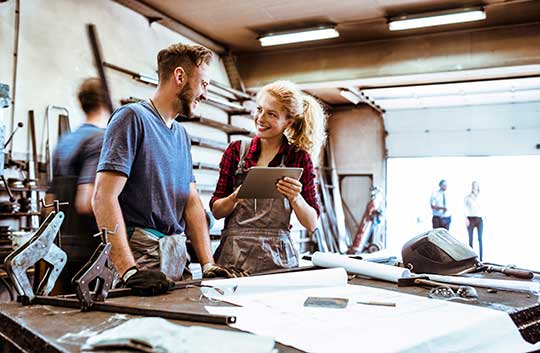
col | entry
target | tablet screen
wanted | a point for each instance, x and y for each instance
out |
(260, 183)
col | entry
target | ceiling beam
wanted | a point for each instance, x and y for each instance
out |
(155, 15)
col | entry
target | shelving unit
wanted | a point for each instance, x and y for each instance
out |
(231, 108)
(207, 143)
(19, 214)
(205, 166)
(206, 187)
(227, 128)
(33, 188)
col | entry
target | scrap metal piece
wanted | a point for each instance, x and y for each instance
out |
(138, 311)
(40, 247)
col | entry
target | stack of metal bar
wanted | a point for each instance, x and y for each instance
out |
(332, 235)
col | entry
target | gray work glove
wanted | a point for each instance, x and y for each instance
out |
(213, 270)
(147, 282)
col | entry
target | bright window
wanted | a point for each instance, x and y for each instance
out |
(509, 196)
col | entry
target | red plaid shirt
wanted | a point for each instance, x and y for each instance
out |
(293, 158)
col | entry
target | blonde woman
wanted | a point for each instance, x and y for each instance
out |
(473, 214)
(290, 129)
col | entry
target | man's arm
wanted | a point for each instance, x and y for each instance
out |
(197, 226)
(108, 215)
(83, 198)
(87, 177)
(434, 206)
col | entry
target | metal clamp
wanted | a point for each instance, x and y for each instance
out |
(56, 204)
(40, 247)
(98, 268)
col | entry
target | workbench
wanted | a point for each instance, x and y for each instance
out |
(47, 329)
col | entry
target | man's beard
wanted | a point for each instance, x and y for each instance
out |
(184, 104)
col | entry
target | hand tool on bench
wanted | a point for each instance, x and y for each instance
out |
(40, 247)
(507, 270)
(464, 291)
(99, 267)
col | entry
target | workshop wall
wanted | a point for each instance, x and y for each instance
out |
(54, 57)
(486, 130)
(357, 138)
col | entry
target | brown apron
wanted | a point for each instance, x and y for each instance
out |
(166, 254)
(256, 237)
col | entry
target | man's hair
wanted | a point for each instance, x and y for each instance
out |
(442, 182)
(182, 55)
(91, 95)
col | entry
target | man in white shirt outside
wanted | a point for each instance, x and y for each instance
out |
(473, 216)
(441, 215)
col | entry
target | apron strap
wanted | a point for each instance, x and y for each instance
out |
(244, 149)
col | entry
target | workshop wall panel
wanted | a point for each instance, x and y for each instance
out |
(357, 138)
(503, 129)
(55, 56)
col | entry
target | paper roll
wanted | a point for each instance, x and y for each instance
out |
(284, 281)
(360, 267)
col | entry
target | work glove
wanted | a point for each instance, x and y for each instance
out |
(213, 270)
(147, 282)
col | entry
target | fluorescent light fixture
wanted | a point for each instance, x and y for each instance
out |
(436, 19)
(350, 96)
(304, 35)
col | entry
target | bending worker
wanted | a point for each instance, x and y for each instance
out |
(74, 171)
(256, 237)
(145, 181)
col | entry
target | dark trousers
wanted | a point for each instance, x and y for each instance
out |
(476, 222)
(441, 222)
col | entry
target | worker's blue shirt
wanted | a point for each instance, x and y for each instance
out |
(439, 199)
(157, 161)
(77, 154)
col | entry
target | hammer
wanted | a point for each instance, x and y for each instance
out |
(423, 281)
(465, 292)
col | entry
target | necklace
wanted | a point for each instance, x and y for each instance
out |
(156, 109)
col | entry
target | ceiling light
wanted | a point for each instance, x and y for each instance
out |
(436, 18)
(350, 96)
(303, 35)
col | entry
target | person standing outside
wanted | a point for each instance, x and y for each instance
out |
(439, 207)
(145, 183)
(473, 214)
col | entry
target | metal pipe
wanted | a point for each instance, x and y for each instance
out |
(15, 62)
(19, 125)
(98, 61)
(131, 310)
(234, 92)
(47, 132)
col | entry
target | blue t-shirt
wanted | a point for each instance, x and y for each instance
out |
(77, 154)
(156, 160)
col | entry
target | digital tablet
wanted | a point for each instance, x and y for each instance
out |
(260, 182)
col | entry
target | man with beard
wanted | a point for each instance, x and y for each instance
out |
(145, 184)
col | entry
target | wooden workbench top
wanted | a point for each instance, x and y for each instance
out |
(48, 329)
